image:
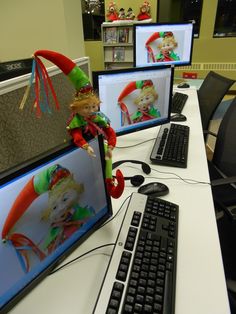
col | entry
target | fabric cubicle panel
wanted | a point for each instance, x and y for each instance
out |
(23, 136)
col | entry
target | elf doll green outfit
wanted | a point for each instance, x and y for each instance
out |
(87, 121)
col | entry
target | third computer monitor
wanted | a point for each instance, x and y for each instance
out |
(135, 98)
(157, 44)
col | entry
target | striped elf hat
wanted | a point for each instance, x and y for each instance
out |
(43, 82)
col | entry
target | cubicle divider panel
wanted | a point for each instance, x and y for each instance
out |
(24, 136)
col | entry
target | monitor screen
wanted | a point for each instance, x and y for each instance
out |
(158, 44)
(136, 98)
(46, 211)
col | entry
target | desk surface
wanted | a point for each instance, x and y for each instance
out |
(200, 284)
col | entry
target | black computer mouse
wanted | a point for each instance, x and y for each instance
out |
(154, 189)
(183, 85)
(178, 117)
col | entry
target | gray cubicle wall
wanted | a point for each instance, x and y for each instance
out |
(23, 136)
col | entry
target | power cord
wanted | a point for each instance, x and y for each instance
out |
(189, 181)
(113, 217)
(152, 139)
(80, 256)
(96, 248)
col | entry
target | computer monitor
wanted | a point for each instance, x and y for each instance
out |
(158, 44)
(135, 98)
(47, 209)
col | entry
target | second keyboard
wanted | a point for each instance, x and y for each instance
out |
(178, 102)
(171, 146)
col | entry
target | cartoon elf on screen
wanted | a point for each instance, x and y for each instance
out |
(167, 47)
(86, 121)
(65, 214)
(146, 109)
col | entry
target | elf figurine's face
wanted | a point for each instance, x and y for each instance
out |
(86, 107)
(168, 44)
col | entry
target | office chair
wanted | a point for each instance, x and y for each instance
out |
(210, 94)
(222, 170)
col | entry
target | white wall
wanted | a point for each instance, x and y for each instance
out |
(29, 25)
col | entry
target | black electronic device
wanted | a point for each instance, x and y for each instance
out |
(14, 68)
(178, 102)
(141, 275)
(178, 117)
(167, 43)
(37, 231)
(171, 146)
(154, 189)
(136, 98)
(135, 180)
(183, 85)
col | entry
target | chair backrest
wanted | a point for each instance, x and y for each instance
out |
(224, 156)
(210, 94)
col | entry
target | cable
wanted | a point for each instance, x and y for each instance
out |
(96, 248)
(152, 139)
(80, 256)
(189, 181)
(116, 212)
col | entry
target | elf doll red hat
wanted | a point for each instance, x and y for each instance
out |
(43, 82)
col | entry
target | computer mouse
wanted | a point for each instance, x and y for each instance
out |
(178, 117)
(183, 85)
(154, 189)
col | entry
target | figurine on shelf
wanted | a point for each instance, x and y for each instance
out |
(166, 47)
(130, 15)
(121, 14)
(86, 121)
(145, 11)
(112, 14)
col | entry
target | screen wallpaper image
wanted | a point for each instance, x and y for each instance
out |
(170, 44)
(44, 212)
(132, 100)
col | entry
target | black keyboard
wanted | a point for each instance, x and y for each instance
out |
(171, 146)
(141, 276)
(178, 102)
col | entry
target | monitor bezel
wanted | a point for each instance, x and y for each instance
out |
(27, 167)
(161, 24)
(156, 122)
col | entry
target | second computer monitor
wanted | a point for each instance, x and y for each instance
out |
(158, 44)
(135, 98)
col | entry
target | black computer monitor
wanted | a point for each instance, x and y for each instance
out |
(135, 98)
(158, 44)
(47, 209)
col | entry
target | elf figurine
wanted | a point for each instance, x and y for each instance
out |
(86, 121)
(130, 15)
(112, 14)
(166, 47)
(144, 12)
